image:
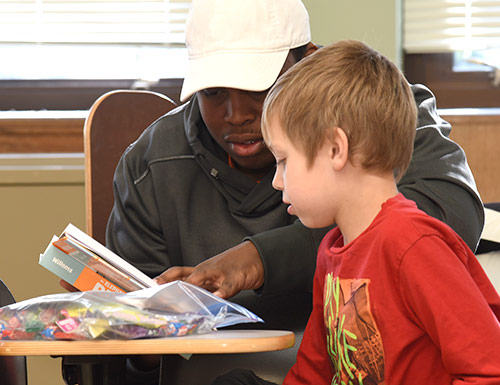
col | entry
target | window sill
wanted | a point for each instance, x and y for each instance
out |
(453, 89)
(41, 131)
(25, 95)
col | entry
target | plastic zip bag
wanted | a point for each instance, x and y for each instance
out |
(173, 309)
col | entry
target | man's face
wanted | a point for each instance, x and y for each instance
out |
(232, 117)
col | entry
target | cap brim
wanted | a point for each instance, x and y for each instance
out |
(240, 70)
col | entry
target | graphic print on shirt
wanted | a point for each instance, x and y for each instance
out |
(353, 339)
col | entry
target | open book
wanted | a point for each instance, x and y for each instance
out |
(83, 262)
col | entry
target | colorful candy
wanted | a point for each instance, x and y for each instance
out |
(63, 320)
(173, 309)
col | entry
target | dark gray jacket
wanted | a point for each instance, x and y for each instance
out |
(177, 202)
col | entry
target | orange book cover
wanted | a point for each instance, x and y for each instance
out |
(90, 280)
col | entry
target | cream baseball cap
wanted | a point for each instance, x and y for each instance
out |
(241, 44)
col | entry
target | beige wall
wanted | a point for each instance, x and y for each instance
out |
(39, 196)
(377, 23)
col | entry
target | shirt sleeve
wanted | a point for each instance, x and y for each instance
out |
(447, 302)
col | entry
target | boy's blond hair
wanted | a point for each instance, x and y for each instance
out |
(348, 85)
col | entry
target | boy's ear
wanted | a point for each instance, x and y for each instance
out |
(339, 148)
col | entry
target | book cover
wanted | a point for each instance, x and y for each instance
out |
(99, 265)
(74, 272)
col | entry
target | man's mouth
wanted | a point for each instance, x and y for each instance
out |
(247, 147)
(245, 144)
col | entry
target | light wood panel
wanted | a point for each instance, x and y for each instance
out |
(477, 131)
(41, 131)
(223, 341)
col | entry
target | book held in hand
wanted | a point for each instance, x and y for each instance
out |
(84, 263)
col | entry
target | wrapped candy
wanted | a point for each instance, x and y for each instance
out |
(173, 309)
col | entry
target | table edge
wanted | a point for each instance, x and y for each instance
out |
(219, 342)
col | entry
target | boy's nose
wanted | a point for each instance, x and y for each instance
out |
(278, 180)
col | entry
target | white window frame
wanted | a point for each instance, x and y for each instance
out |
(451, 25)
(99, 39)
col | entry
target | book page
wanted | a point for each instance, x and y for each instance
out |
(110, 257)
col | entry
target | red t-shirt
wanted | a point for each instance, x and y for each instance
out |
(406, 302)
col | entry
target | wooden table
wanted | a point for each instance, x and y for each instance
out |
(85, 352)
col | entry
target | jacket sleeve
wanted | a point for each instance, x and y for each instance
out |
(289, 257)
(133, 230)
(438, 179)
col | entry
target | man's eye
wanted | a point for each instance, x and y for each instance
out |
(210, 92)
(260, 95)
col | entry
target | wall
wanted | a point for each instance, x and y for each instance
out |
(39, 196)
(377, 23)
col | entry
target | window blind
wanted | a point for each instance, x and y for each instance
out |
(158, 22)
(451, 25)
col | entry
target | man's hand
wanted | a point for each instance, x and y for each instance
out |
(67, 286)
(226, 274)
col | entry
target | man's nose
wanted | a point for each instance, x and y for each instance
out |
(240, 108)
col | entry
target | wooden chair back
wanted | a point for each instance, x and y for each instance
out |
(115, 120)
(12, 369)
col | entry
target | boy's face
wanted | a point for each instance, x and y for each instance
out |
(308, 189)
(232, 117)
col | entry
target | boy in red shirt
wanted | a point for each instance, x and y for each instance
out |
(341, 125)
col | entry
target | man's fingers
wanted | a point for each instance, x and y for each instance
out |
(173, 274)
(226, 274)
(67, 286)
(222, 293)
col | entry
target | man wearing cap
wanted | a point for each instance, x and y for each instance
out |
(198, 180)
